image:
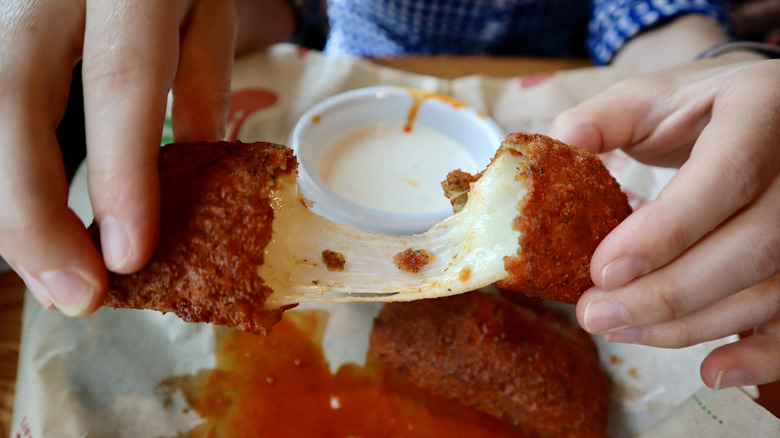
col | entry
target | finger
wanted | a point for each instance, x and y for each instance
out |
(739, 254)
(749, 361)
(40, 237)
(731, 163)
(731, 315)
(655, 117)
(202, 86)
(131, 52)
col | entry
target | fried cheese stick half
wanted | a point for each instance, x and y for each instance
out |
(238, 244)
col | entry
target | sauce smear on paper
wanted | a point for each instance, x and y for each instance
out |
(280, 386)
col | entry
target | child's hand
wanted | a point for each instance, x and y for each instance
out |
(702, 261)
(134, 52)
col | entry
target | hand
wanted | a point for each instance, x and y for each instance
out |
(134, 52)
(702, 261)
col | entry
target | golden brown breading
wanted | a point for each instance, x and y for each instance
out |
(412, 260)
(335, 261)
(456, 188)
(572, 204)
(502, 359)
(215, 220)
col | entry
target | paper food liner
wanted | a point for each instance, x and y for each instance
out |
(97, 376)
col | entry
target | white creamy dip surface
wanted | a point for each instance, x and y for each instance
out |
(385, 168)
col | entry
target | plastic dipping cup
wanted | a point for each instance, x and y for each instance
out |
(374, 158)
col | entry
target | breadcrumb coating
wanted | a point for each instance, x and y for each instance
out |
(572, 203)
(215, 220)
(511, 362)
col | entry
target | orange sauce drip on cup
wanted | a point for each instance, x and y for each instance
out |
(419, 96)
(281, 386)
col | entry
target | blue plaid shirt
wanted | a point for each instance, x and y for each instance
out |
(499, 27)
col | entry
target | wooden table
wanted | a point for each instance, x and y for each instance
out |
(12, 288)
(11, 299)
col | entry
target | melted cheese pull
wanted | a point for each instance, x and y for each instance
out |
(467, 249)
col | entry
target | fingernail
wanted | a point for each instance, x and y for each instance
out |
(35, 287)
(69, 291)
(114, 242)
(732, 377)
(634, 335)
(622, 270)
(601, 316)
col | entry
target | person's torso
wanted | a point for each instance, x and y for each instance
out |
(495, 27)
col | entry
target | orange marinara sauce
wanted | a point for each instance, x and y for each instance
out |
(280, 386)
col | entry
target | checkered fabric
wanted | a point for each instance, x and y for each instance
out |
(499, 27)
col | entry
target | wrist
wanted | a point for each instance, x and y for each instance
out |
(754, 50)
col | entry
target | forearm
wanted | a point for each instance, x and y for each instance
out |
(263, 23)
(678, 41)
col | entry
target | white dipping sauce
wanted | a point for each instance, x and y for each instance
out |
(385, 168)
